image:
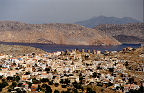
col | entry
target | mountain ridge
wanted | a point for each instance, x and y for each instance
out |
(54, 33)
(94, 21)
(124, 33)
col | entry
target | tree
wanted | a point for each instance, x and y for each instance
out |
(14, 64)
(27, 73)
(9, 90)
(56, 91)
(44, 80)
(17, 78)
(109, 84)
(81, 79)
(75, 91)
(50, 82)
(1, 77)
(48, 89)
(33, 54)
(99, 84)
(141, 89)
(131, 80)
(77, 85)
(0, 89)
(64, 85)
(133, 91)
(118, 87)
(47, 69)
(20, 84)
(14, 84)
(89, 90)
(126, 63)
(111, 69)
(63, 91)
(35, 81)
(122, 88)
(94, 75)
(9, 78)
(61, 81)
(44, 85)
(56, 84)
(102, 89)
(3, 84)
(39, 88)
(20, 90)
(29, 84)
(67, 81)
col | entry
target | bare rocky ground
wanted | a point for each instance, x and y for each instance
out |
(56, 33)
(19, 50)
(124, 33)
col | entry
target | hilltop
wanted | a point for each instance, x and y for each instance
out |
(56, 33)
(92, 22)
(19, 50)
(124, 33)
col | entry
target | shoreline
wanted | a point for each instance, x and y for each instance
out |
(53, 48)
(68, 45)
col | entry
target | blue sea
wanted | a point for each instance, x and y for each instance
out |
(54, 48)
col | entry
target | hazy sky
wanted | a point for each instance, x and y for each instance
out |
(67, 11)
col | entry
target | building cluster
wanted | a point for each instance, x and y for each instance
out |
(67, 67)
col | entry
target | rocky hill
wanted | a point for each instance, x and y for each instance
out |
(92, 22)
(124, 33)
(69, 34)
(19, 50)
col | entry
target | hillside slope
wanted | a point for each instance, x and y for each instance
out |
(19, 50)
(68, 34)
(124, 33)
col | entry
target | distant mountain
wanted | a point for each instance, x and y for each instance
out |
(106, 20)
(124, 33)
(68, 34)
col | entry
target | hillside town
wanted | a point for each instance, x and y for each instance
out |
(74, 71)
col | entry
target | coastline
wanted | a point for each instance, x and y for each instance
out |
(54, 48)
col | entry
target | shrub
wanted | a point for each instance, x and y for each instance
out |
(56, 91)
